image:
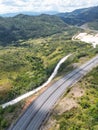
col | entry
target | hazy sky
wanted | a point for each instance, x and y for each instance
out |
(11, 6)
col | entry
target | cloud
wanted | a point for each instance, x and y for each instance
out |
(11, 6)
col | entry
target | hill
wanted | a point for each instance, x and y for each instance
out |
(24, 27)
(80, 16)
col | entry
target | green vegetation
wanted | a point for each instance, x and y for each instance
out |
(30, 47)
(29, 63)
(93, 25)
(85, 116)
(24, 27)
(9, 114)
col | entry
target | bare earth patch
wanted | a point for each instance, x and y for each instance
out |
(69, 101)
(89, 38)
(30, 99)
(77, 91)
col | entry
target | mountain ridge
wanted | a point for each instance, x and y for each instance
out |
(80, 16)
(28, 13)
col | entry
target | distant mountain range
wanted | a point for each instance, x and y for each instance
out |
(80, 16)
(76, 17)
(28, 13)
(27, 26)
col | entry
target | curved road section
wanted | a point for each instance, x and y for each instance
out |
(38, 110)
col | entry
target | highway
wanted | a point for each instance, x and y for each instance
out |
(36, 113)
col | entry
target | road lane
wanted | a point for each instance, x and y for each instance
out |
(32, 118)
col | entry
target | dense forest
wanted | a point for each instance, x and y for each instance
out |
(24, 27)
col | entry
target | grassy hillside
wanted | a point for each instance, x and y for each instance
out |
(81, 106)
(28, 64)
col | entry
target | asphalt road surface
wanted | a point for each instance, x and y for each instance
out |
(38, 110)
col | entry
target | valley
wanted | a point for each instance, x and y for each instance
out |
(31, 47)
